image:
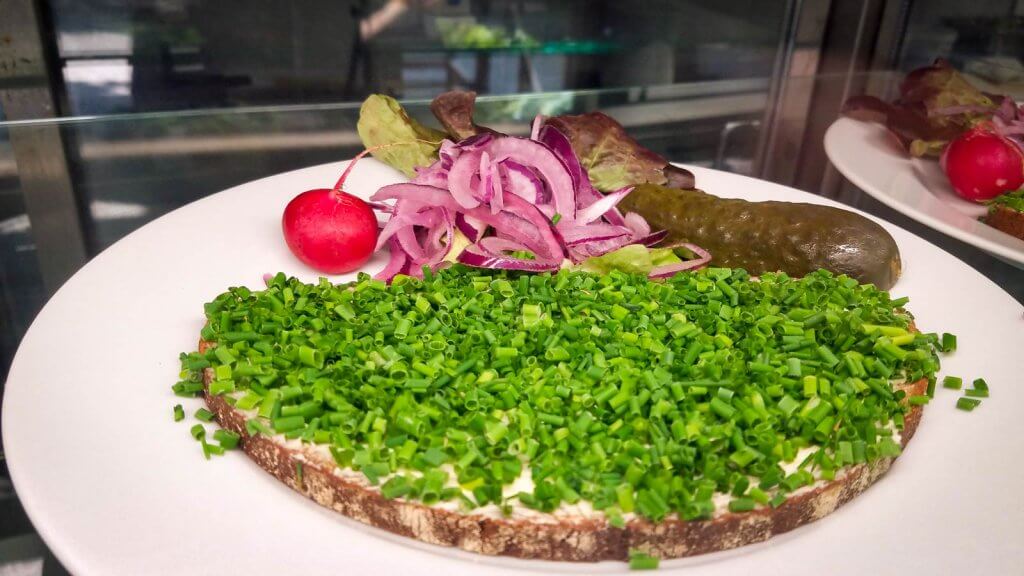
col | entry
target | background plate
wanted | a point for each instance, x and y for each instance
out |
(867, 155)
(116, 487)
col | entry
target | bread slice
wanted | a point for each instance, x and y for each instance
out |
(311, 472)
(1006, 219)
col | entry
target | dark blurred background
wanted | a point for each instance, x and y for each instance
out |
(118, 111)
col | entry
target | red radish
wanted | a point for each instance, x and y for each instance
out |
(330, 230)
(982, 164)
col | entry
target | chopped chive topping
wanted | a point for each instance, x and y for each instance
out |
(980, 384)
(211, 449)
(227, 439)
(179, 413)
(635, 396)
(953, 382)
(948, 342)
(742, 505)
(198, 432)
(967, 404)
(641, 561)
(204, 415)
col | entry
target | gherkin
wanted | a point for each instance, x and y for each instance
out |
(795, 238)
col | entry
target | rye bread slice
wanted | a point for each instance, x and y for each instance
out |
(1007, 220)
(308, 472)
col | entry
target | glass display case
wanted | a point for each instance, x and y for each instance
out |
(115, 112)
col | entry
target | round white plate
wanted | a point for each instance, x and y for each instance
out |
(116, 487)
(869, 157)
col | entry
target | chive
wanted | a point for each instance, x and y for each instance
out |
(287, 423)
(788, 405)
(948, 342)
(396, 487)
(721, 408)
(227, 439)
(967, 404)
(980, 384)
(211, 449)
(310, 357)
(742, 505)
(953, 382)
(640, 561)
(179, 413)
(918, 400)
(219, 387)
(976, 393)
(198, 432)
(223, 355)
(204, 415)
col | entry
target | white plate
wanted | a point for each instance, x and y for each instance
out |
(867, 155)
(116, 487)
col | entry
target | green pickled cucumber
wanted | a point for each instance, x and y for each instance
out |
(794, 238)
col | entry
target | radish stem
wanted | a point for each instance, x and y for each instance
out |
(352, 164)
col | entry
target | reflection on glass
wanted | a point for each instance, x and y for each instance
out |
(120, 56)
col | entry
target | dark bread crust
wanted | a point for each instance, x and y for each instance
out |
(585, 540)
(1007, 220)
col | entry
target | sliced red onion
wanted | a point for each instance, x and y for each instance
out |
(497, 190)
(407, 213)
(408, 241)
(586, 195)
(522, 181)
(574, 235)
(471, 256)
(637, 224)
(538, 121)
(476, 141)
(496, 245)
(433, 175)
(581, 252)
(653, 239)
(396, 262)
(562, 147)
(669, 270)
(508, 189)
(599, 208)
(545, 163)
(486, 190)
(441, 250)
(418, 193)
(381, 207)
(460, 179)
(1007, 111)
(470, 227)
(552, 248)
(448, 152)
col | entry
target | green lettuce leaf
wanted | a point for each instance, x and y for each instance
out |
(632, 259)
(383, 121)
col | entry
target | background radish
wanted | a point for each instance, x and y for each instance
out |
(982, 164)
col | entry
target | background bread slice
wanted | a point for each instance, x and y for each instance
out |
(1006, 219)
(575, 539)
